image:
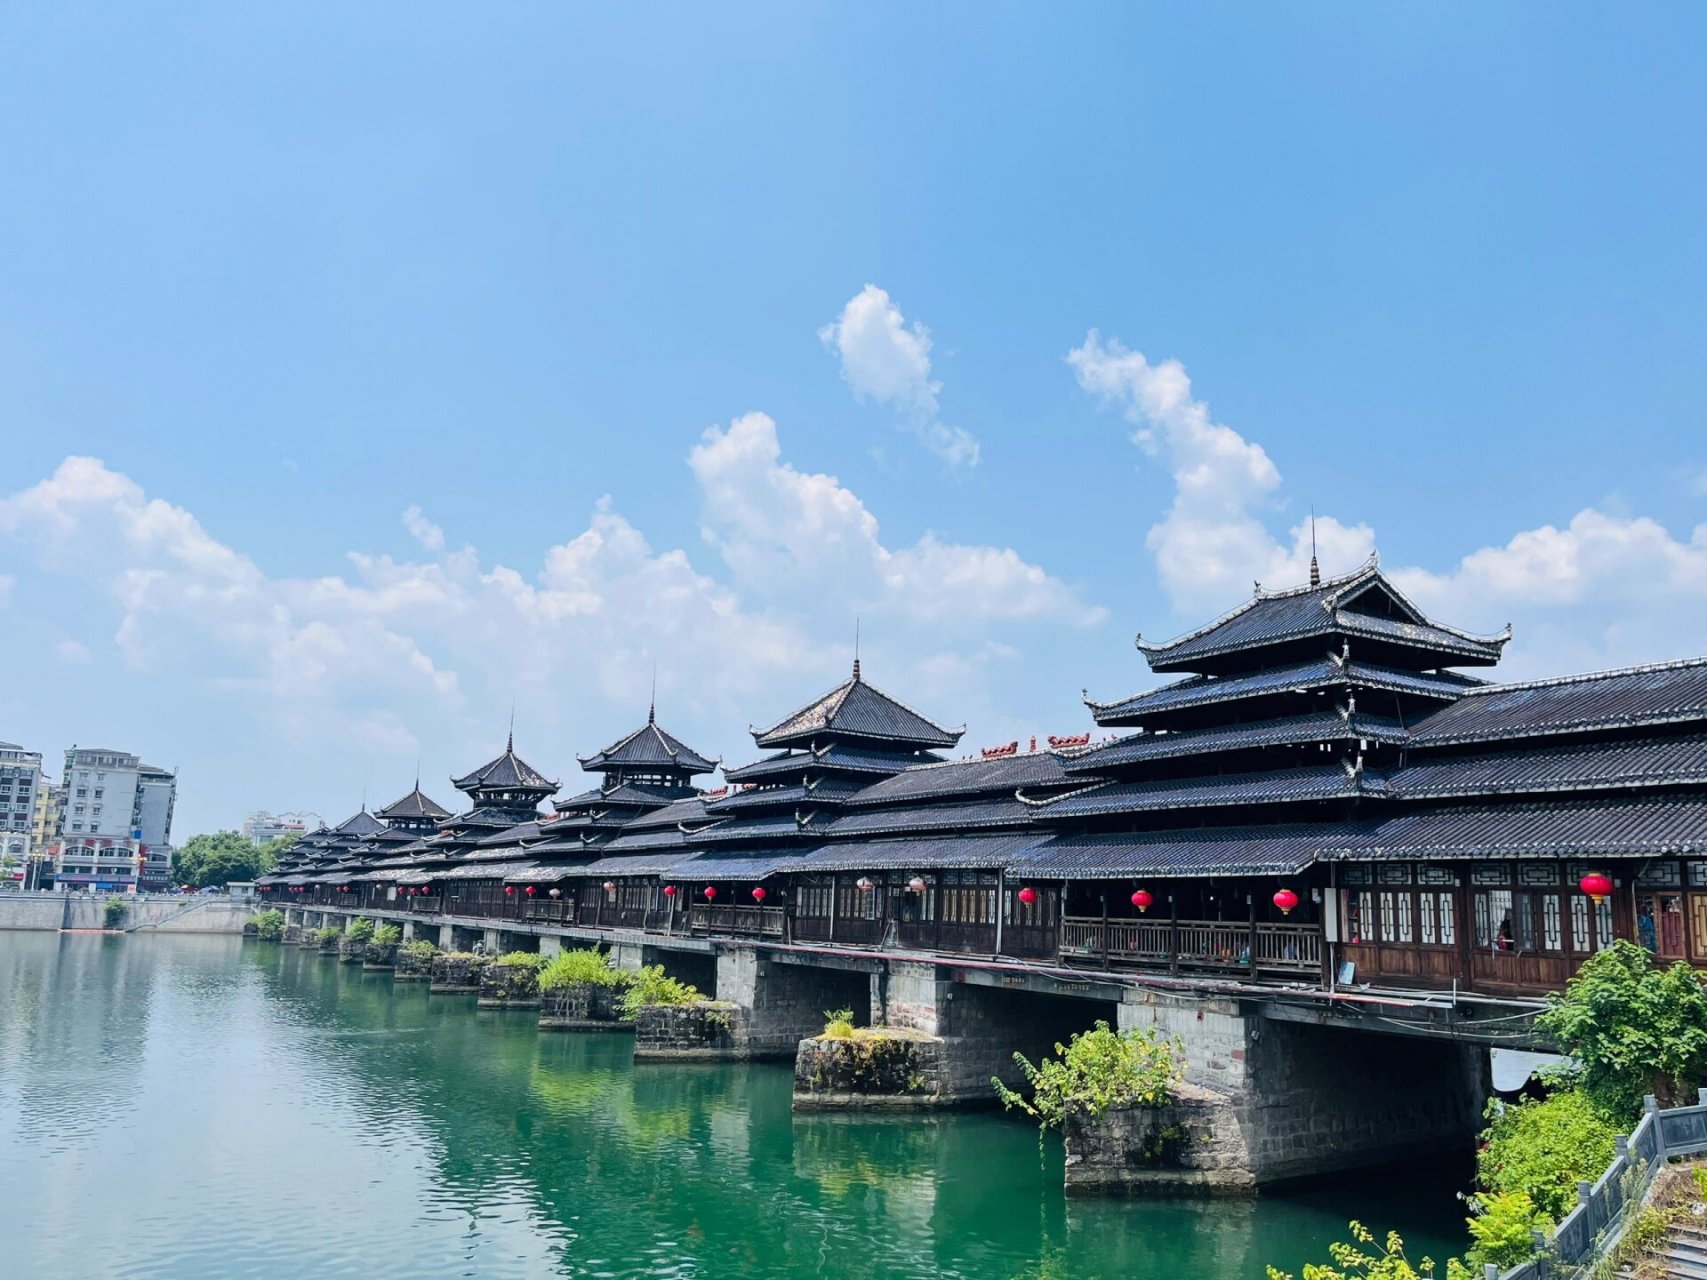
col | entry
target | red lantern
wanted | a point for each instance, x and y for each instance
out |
(1142, 900)
(917, 884)
(1597, 886)
(864, 884)
(669, 891)
(531, 891)
(1285, 899)
(710, 892)
(1028, 895)
(610, 886)
(509, 888)
(759, 894)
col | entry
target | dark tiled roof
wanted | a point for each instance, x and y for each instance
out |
(360, 824)
(508, 772)
(756, 866)
(762, 827)
(1000, 776)
(837, 757)
(414, 805)
(827, 791)
(1298, 614)
(521, 833)
(1665, 693)
(1198, 691)
(1623, 828)
(1207, 851)
(649, 747)
(1323, 726)
(690, 810)
(628, 794)
(857, 710)
(1644, 762)
(920, 854)
(632, 841)
(1325, 782)
(642, 864)
(486, 870)
(965, 816)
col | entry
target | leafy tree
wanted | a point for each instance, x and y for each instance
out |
(585, 966)
(1094, 1071)
(1503, 1230)
(1542, 1148)
(222, 857)
(1635, 1028)
(1364, 1258)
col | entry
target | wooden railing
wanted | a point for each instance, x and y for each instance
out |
(1193, 944)
(551, 911)
(751, 922)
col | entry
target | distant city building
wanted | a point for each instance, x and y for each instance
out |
(262, 827)
(115, 821)
(21, 780)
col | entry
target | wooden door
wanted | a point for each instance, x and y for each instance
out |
(1659, 922)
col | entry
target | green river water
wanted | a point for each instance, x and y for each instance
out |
(201, 1107)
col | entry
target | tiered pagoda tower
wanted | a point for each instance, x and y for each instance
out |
(504, 792)
(416, 813)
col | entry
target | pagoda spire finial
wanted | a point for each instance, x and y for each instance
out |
(510, 743)
(856, 649)
(652, 707)
(1315, 569)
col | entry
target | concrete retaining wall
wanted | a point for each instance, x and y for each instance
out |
(54, 911)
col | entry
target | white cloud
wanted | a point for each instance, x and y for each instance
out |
(1605, 589)
(72, 652)
(423, 530)
(7, 582)
(886, 360)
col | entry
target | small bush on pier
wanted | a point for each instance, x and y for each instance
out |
(1094, 1071)
(1635, 1028)
(387, 935)
(652, 986)
(584, 967)
(420, 949)
(839, 1024)
(361, 931)
(113, 914)
(331, 933)
(520, 960)
(269, 924)
(1364, 1258)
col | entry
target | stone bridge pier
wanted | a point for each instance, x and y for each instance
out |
(1270, 1101)
(785, 1002)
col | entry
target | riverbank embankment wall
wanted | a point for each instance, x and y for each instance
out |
(168, 914)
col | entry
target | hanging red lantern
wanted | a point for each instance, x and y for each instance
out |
(759, 894)
(610, 886)
(531, 891)
(1597, 886)
(1285, 899)
(509, 888)
(1028, 895)
(917, 884)
(1142, 900)
(710, 892)
(669, 891)
(864, 884)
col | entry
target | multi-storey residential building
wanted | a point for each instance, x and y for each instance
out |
(115, 824)
(20, 781)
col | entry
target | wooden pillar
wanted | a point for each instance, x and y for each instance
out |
(1173, 934)
(1102, 939)
(1253, 942)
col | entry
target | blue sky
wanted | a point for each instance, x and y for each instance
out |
(279, 275)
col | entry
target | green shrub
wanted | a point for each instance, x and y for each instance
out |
(269, 925)
(585, 967)
(1635, 1028)
(1365, 1259)
(386, 935)
(521, 960)
(331, 933)
(838, 1024)
(361, 931)
(1543, 1148)
(1094, 1071)
(419, 949)
(652, 986)
(1503, 1230)
(113, 914)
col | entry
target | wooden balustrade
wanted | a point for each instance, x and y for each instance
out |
(751, 922)
(1228, 946)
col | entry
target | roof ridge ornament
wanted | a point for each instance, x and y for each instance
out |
(1315, 568)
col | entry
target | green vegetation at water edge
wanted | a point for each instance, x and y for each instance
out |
(331, 933)
(520, 960)
(583, 967)
(269, 924)
(387, 935)
(224, 856)
(652, 986)
(1364, 1257)
(1094, 1071)
(361, 930)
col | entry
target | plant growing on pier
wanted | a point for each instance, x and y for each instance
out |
(331, 933)
(1365, 1258)
(838, 1024)
(361, 931)
(584, 967)
(1542, 1148)
(113, 914)
(269, 924)
(1094, 1071)
(652, 986)
(520, 960)
(420, 949)
(386, 935)
(1503, 1230)
(1635, 1028)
